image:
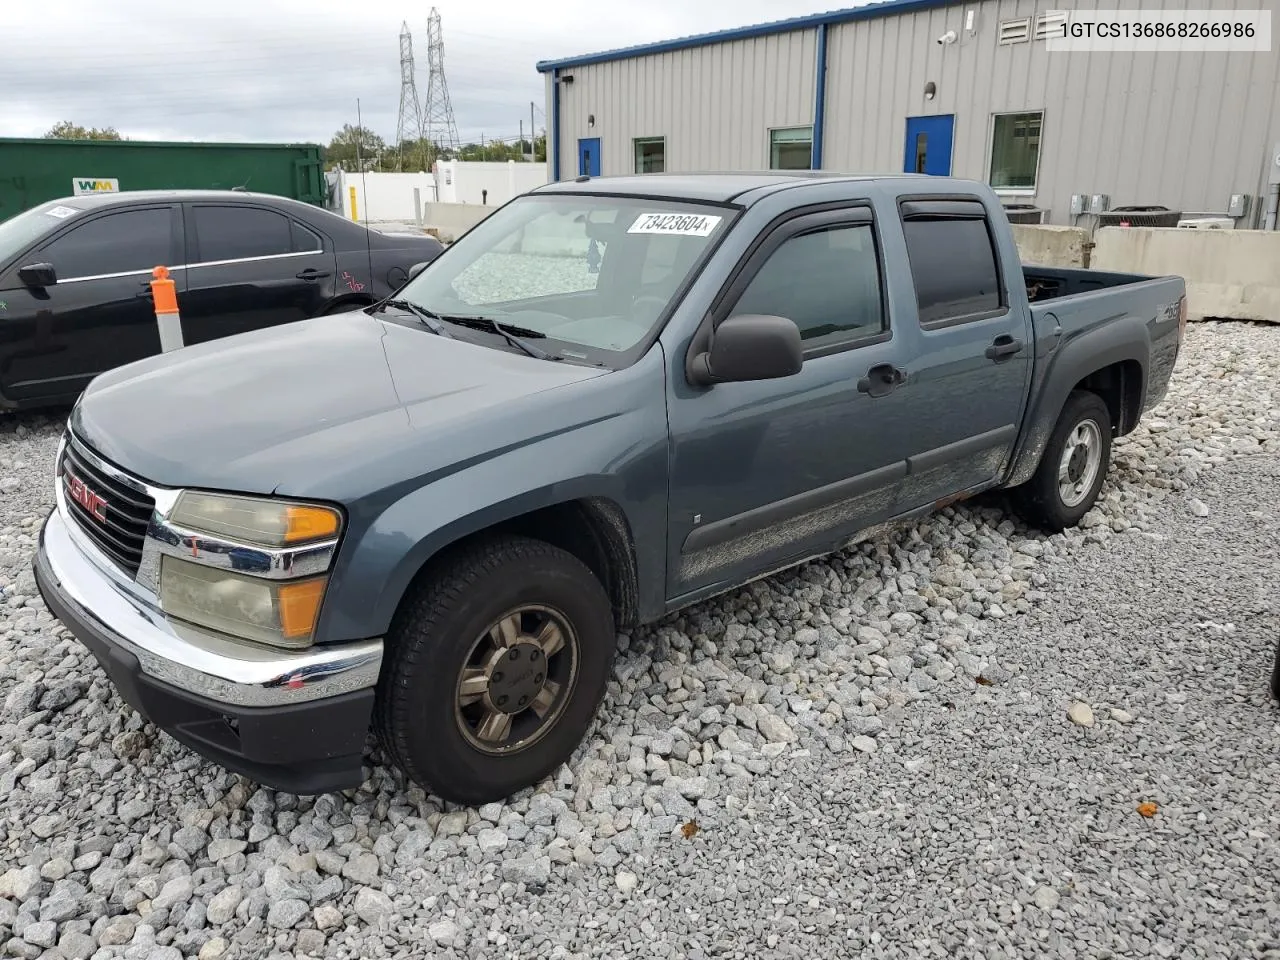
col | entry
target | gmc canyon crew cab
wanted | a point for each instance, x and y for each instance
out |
(611, 399)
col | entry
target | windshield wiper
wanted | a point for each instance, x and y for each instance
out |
(429, 319)
(513, 335)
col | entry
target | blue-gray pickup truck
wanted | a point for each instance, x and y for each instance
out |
(611, 399)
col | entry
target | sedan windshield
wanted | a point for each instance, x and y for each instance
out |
(588, 276)
(20, 231)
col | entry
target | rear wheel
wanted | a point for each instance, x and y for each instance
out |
(496, 665)
(1072, 468)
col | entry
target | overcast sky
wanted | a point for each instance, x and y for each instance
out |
(292, 70)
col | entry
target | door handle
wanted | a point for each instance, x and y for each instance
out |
(311, 273)
(881, 379)
(145, 293)
(1003, 346)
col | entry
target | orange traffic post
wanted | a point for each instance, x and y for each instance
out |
(167, 319)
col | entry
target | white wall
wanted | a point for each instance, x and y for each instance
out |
(390, 195)
(462, 181)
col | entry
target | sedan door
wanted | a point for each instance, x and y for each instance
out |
(98, 315)
(251, 267)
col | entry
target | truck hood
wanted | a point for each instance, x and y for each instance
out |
(277, 407)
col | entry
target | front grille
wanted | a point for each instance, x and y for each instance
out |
(127, 511)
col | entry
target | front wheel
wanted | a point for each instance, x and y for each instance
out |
(496, 666)
(1072, 468)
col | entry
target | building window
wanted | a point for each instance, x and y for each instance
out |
(651, 154)
(1015, 152)
(791, 148)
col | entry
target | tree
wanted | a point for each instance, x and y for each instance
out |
(66, 130)
(342, 151)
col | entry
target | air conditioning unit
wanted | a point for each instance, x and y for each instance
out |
(1207, 223)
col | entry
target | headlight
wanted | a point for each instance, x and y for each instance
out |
(282, 613)
(268, 523)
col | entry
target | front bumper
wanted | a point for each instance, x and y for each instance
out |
(291, 720)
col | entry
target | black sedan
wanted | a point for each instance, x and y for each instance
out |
(75, 277)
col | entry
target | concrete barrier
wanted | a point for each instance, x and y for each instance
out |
(452, 220)
(1230, 274)
(1050, 246)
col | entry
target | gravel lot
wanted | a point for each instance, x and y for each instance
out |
(870, 756)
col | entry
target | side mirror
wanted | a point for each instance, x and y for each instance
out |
(749, 347)
(38, 275)
(416, 269)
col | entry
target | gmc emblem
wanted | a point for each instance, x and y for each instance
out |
(87, 498)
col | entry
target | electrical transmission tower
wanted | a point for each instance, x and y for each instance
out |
(409, 127)
(437, 117)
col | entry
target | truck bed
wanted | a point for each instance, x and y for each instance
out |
(1053, 283)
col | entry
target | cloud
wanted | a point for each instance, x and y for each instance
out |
(293, 70)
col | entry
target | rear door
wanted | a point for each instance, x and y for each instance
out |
(251, 267)
(971, 347)
(99, 315)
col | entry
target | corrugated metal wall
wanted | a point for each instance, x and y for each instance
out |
(713, 104)
(1181, 130)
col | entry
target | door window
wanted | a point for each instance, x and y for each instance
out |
(305, 240)
(125, 242)
(954, 269)
(827, 281)
(237, 233)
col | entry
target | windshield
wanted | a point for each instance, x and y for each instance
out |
(591, 274)
(19, 231)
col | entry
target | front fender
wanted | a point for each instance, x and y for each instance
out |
(622, 460)
(1081, 352)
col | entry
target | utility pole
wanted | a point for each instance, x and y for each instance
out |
(533, 153)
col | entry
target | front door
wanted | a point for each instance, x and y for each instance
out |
(251, 267)
(589, 157)
(764, 473)
(98, 316)
(928, 148)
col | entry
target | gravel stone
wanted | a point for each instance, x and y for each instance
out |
(922, 675)
(285, 914)
(372, 906)
(327, 917)
(310, 942)
(1081, 714)
(223, 905)
(444, 932)
(362, 868)
(43, 933)
(626, 881)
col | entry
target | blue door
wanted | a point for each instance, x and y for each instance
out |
(589, 157)
(928, 148)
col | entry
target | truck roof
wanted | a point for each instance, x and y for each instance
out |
(711, 187)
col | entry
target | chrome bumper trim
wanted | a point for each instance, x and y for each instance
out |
(215, 667)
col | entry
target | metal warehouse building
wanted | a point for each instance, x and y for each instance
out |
(967, 89)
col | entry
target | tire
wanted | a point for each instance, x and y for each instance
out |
(1045, 500)
(437, 713)
(1275, 674)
